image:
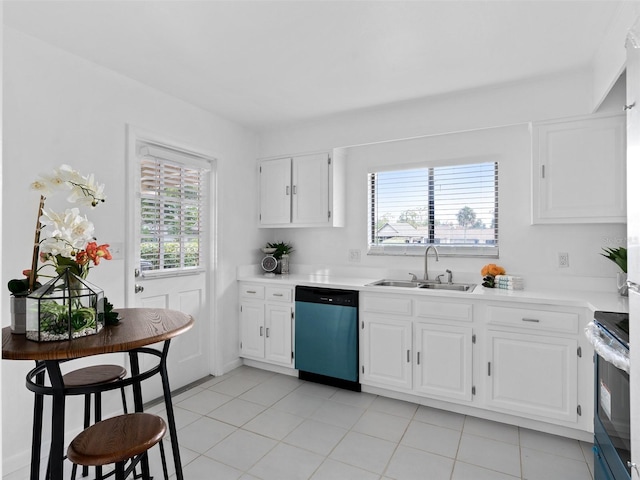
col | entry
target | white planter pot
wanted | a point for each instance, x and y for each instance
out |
(621, 281)
(18, 315)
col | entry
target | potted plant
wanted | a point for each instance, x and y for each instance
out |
(618, 256)
(281, 255)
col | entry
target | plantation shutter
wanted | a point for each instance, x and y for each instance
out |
(173, 201)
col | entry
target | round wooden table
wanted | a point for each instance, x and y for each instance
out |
(138, 328)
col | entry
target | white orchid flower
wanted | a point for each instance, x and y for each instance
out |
(65, 233)
(84, 190)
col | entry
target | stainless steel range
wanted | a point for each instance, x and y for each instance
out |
(609, 334)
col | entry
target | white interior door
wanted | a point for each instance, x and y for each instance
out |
(169, 250)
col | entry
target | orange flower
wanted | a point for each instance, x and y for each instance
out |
(492, 269)
(96, 252)
(82, 258)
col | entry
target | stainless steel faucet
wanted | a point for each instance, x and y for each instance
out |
(426, 260)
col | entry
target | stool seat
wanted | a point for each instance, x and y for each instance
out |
(116, 439)
(94, 375)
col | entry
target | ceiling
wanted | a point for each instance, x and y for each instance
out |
(267, 63)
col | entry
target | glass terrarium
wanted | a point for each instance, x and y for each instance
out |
(64, 308)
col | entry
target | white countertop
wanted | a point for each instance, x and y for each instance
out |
(571, 298)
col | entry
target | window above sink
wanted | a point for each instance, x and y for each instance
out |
(453, 206)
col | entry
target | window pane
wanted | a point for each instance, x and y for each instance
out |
(451, 205)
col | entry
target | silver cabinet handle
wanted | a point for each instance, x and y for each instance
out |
(629, 107)
(252, 292)
(532, 320)
(277, 295)
(287, 190)
(261, 330)
(138, 288)
(295, 189)
(489, 368)
(418, 358)
(408, 356)
(267, 332)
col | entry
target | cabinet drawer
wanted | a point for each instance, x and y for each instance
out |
(384, 304)
(546, 320)
(252, 291)
(444, 310)
(279, 294)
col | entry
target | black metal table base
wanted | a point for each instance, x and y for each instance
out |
(58, 392)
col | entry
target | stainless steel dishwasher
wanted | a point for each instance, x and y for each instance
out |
(326, 336)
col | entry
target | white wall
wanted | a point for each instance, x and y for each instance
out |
(60, 109)
(525, 250)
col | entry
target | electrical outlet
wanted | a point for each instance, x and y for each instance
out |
(354, 256)
(563, 259)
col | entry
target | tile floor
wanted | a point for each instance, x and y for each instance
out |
(252, 424)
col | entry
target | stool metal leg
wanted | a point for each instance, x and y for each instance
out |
(97, 414)
(87, 422)
(164, 461)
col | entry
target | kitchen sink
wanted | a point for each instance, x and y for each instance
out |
(394, 283)
(456, 287)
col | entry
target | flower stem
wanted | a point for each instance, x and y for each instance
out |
(36, 247)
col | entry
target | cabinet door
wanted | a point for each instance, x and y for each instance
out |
(443, 360)
(386, 351)
(252, 330)
(275, 191)
(278, 334)
(310, 189)
(533, 375)
(579, 170)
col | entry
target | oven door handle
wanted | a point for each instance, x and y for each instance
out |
(602, 347)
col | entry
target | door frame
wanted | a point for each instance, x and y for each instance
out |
(133, 134)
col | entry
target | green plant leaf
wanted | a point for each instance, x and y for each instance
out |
(618, 256)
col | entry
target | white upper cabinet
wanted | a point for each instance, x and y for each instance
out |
(578, 170)
(275, 191)
(302, 191)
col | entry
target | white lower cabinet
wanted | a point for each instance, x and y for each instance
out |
(444, 366)
(266, 324)
(252, 330)
(515, 359)
(533, 375)
(386, 351)
(277, 333)
(403, 350)
(532, 361)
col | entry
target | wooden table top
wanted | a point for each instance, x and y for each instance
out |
(138, 327)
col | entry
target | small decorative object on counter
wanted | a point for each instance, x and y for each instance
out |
(281, 249)
(64, 308)
(509, 282)
(619, 257)
(269, 263)
(489, 273)
(284, 264)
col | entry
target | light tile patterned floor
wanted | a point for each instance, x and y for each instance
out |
(252, 424)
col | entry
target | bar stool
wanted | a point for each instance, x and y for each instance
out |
(118, 440)
(95, 376)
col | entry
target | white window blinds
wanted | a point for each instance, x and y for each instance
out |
(173, 200)
(454, 207)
